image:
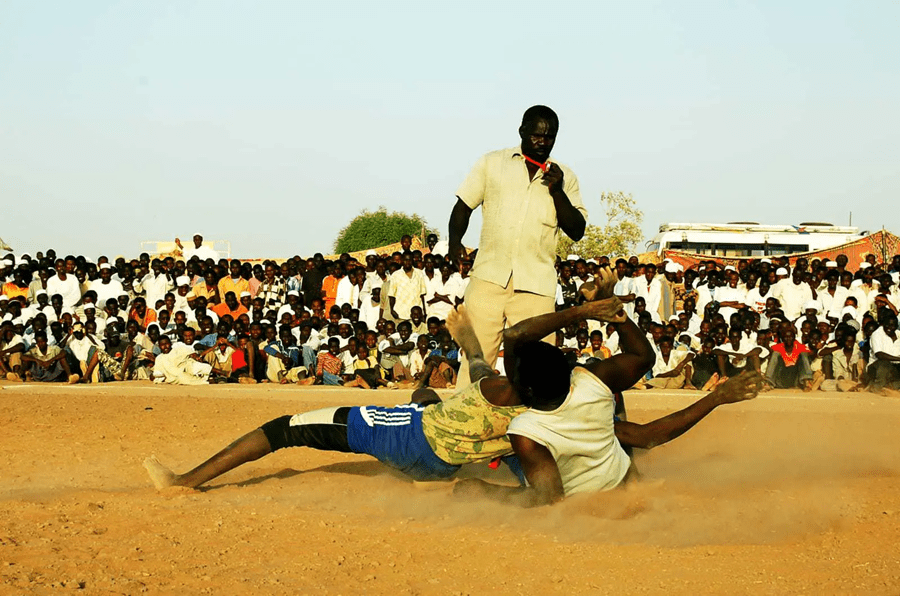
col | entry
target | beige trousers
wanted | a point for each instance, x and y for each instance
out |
(492, 308)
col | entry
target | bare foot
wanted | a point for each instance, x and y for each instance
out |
(161, 476)
(247, 380)
(307, 381)
(460, 326)
(11, 376)
(73, 379)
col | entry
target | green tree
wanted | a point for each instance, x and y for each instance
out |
(618, 238)
(371, 229)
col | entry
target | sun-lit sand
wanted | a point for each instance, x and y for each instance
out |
(786, 494)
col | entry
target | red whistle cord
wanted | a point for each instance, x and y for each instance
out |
(543, 166)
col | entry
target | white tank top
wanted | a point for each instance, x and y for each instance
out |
(580, 435)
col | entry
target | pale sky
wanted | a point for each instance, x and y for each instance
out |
(272, 124)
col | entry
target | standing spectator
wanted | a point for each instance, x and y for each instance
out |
(407, 289)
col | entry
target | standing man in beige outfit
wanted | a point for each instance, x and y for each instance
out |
(526, 200)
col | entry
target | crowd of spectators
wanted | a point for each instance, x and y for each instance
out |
(195, 318)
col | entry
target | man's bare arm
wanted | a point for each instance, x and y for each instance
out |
(459, 223)
(545, 483)
(646, 436)
(623, 370)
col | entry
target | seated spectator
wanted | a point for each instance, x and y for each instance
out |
(368, 374)
(329, 366)
(673, 367)
(396, 350)
(45, 363)
(179, 365)
(440, 365)
(12, 347)
(285, 358)
(884, 357)
(230, 307)
(789, 363)
(738, 354)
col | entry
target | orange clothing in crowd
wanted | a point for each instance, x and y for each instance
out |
(329, 291)
(222, 309)
(227, 284)
(148, 318)
(12, 290)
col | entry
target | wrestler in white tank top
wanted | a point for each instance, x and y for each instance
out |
(580, 435)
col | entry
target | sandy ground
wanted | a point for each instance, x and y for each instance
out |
(788, 494)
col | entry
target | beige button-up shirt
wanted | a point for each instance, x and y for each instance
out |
(518, 236)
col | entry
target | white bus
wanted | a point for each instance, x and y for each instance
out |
(750, 238)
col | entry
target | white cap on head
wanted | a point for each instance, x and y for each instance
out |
(848, 310)
(105, 266)
(182, 280)
(864, 265)
(831, 263)
(3, 297)
(811, 304)
(89, 306)
(293, 293)
(112, 320)
(730, 268)
(243, 294)
(371, 253)
(766, 261)
(781, 271)
(572, 258)
(592, 261)
(856, 283)
(345, 322)
(671, 267)
(39, 292)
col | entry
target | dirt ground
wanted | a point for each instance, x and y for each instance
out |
(788, 494)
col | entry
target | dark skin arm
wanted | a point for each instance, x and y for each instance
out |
(14, 350)
(646, 436)
(459, 223)
(570, 219)
(623, 370)
(545, 483)
(400, 349)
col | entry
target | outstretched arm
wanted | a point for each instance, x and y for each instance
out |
(646, 436)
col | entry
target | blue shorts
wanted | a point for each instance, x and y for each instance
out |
(394, 436)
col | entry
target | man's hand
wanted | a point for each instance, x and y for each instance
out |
(746, 385)
(553, 178)
(457, 252)
(610, 310)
